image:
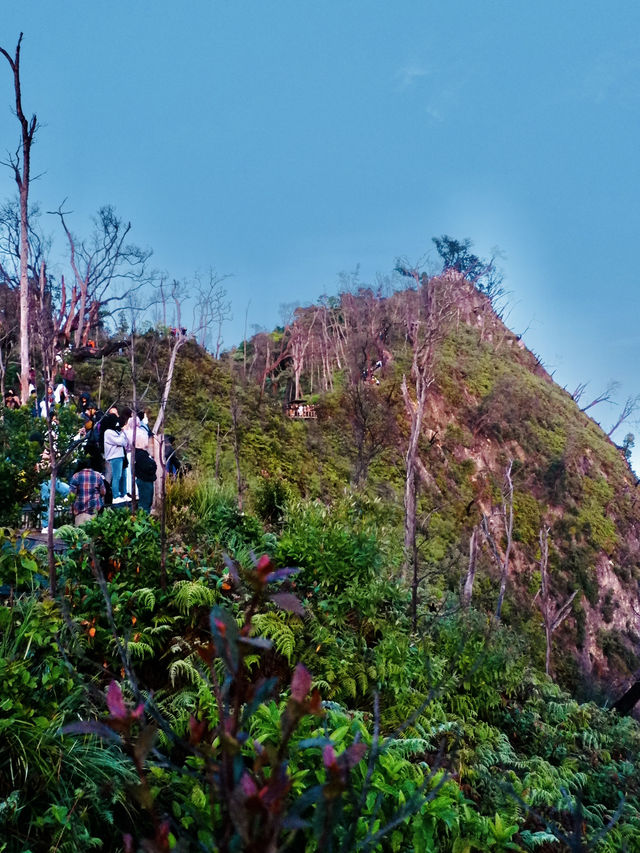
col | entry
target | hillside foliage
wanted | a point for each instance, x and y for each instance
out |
(255, 672)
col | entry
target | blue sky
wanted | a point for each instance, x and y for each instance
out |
(286, 142)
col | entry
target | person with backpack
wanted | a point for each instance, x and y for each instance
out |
(145, 478)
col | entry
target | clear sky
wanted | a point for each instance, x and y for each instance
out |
(286, 141)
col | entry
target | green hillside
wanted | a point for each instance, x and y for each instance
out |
(490, 402)
(184, 690)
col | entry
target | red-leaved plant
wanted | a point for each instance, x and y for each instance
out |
(249, 784)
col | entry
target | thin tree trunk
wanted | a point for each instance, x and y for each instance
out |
(415, 580)
(102, 379)
(507, 513)
(22, 178)
(3, 372)
(134, 394)
(51, 559)
(158, 427)
(416, 413)
(236, 452)
(218, 454)
(24, 299)
(552, 616)
(467, 591)
(163, 519)
(244, 342)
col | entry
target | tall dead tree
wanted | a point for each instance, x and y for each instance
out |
(20, 164)
(301, 331)
(467, 589)
(177, 339)
(427, 318)
(8, 330)
(97, 265)
(502, 559)
(45, 334)
(211, 310)
(605, 396)
(631, 405)
(552, 615)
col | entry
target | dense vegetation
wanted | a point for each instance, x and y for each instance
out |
(187, 689)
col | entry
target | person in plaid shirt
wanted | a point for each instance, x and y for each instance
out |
(88, 487)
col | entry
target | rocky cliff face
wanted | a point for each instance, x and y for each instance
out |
(494, 403)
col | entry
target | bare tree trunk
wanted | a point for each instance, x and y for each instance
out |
(507, 520)
(163, 519)
(552, 616)
(631, 405)
(416, 413)
(53, 463)
(467, 591)
(176, 346)
(244, 342)
(264, 374)
(22, 176)
(158, 427)
(51, 514)
(3, 373)
(102, 377)
(236, 451)
(415, 580)
(134, 395)
(507, 515)
(218, 454)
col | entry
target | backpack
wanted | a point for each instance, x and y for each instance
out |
(145, 466)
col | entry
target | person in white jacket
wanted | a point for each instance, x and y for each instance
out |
(116, 445)
(141, 438)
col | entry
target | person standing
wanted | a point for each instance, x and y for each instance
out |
(87, 485)
(145, 478)
(69, 378)
(115, 445)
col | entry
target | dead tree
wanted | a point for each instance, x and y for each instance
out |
(502, 560)
(467, 589)
(177, 339)
(605, 397)
(300, 339)
(45, 334)
(20, 164)
(8, 330)
(97, 264)
(631, 405)
(211, 310)
(426, 323)
(234, 408)
(552, 615)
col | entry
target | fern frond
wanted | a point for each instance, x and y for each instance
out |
(183, 670)
(536, 839)
(190, 594)
(144, 598)
(139, 650)
(279, 628)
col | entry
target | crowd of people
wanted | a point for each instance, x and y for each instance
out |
(107, 448)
